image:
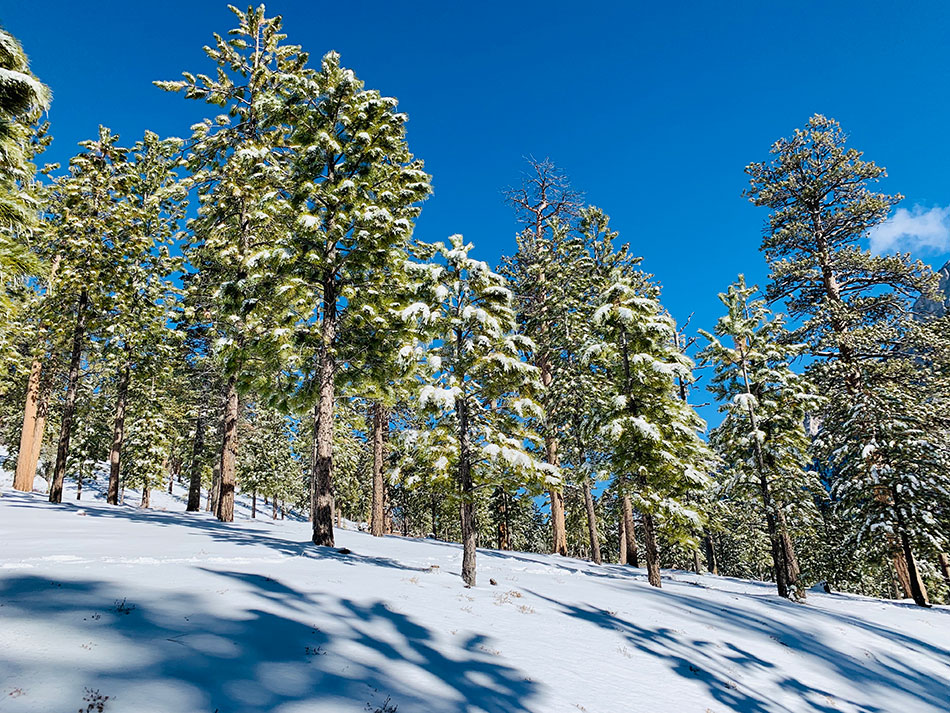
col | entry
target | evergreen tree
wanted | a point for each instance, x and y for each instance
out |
(266, 460)
(762, 439)
(236, 166)
(85, 231)
(355, 192)
(546, 204)
(479, 394)
(141, 296)
(23, 98)
(854, 308)
(657, 455)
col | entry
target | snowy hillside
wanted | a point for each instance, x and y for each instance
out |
(163, 611)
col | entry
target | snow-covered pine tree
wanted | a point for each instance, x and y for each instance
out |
(853, 307)
(377, 372)
(579, 394)
(82, 230)
(138, 311)
(762, 439)
(355, 191)
(479, 396)
(266, 459)
(658, 457)
(23, 98)
(236, 167)
(147, 446)
(892, 456)
(546, 206)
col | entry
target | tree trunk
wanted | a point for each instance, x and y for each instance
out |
(918, 591)
(793, 573)
(69, 407)
(378, 510)
(622, 532)
(591, 523)
(697, 565)
(468, 497)
(556, 495)
(652, 551)
(274, 509)
(630, 533)
(945, 569)
(321, 464)
(23, 479)
(778, 559)
(79, 483)
(214, 495)
(146, 494)
(173, 467)
(38, 431)
(194, 485)
(712, 564)
(118, 434)
(229, 446)
(501, 513)
(558, 528)
(254, 504)
(776, 543)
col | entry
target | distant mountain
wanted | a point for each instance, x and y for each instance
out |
(926, 308)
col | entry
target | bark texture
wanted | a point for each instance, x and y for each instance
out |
(23, 478)
(229, 446)
(69, 406)
(591, 523)
(118, 435)
(630, 533)
(378, 508)
(322, 496)
(467, 487)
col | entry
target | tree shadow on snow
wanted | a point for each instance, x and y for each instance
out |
(710, 662)
(244, 535)
(177, 651)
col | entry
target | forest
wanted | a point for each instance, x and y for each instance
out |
(249, 309)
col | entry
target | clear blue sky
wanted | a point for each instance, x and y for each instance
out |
(652, 108)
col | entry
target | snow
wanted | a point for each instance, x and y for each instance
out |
(173, 612)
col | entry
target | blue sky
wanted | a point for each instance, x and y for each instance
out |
(653, 109)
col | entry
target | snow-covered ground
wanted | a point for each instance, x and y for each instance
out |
(163, 611)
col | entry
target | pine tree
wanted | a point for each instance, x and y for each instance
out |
(23, 98)
(762, 439)
(266, 460)
(854, 307)
(236, 165)
(355, 192)
(545, 204)
(658, 457)
(891, 458)
(479, 395)
(138, 311)
(84, 234)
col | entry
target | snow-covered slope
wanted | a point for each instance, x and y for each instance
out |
(163, 611)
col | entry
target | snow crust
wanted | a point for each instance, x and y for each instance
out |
(173, 612)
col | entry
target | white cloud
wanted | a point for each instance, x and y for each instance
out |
(915, 230)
